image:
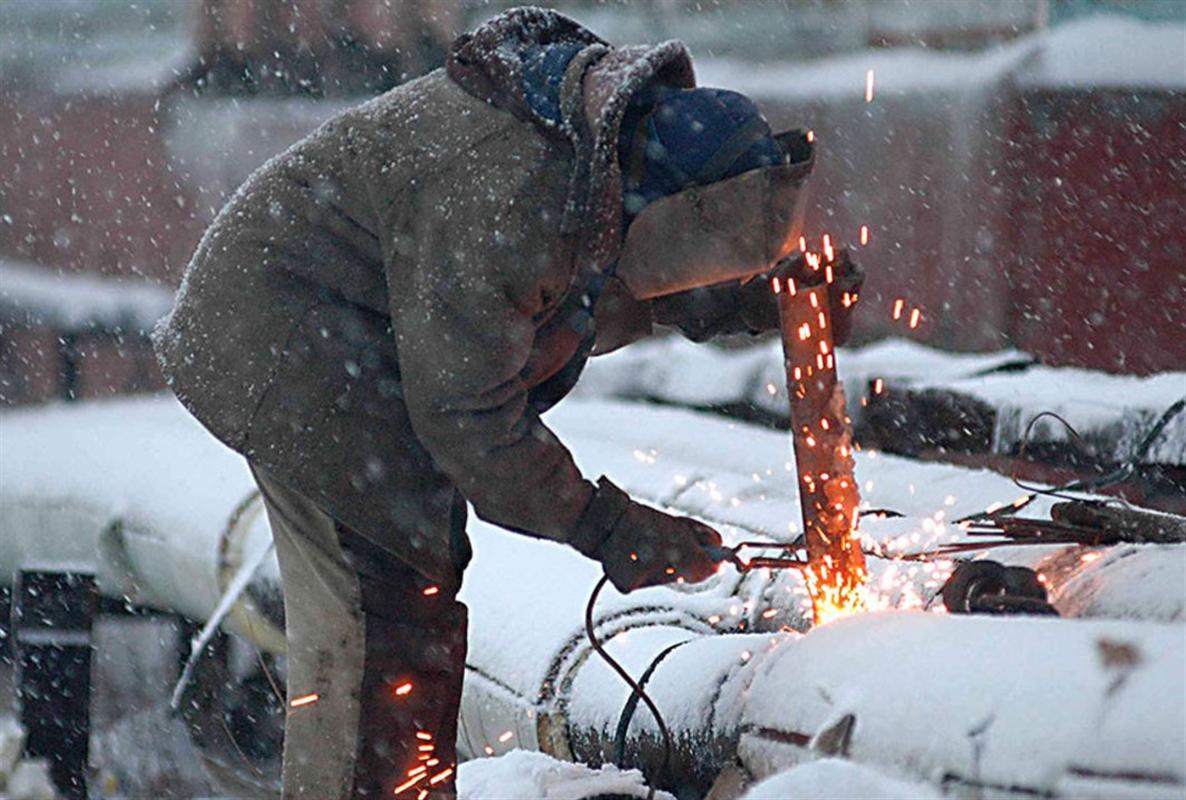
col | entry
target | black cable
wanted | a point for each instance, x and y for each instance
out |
(633, 684)
(1116, 475)
(619, 752)
(1084, 485)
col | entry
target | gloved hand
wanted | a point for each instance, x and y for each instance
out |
(639, 546)
(759, 305)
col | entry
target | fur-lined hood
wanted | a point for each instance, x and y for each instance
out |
(596, 90)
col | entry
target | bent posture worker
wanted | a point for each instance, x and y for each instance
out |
(378, 317)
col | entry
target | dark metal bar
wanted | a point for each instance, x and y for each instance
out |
(52, 615)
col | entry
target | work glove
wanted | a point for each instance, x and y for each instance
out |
(759, 304)
(639, 546)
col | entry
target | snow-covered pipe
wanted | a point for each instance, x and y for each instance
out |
(1067, 708)
(140, 495)
(1032, 706)
(140, 492)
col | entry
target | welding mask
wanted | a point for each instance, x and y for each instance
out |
(728, 229)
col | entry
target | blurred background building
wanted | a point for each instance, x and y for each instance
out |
(1020, 167)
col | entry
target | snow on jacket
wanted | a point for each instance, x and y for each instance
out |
(369, 315)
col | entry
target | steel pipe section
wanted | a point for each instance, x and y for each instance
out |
(138, 494)
(1025, 706)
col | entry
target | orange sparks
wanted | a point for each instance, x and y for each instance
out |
(506, 737)
(424, 736)
(915, 316)
(791, 287)
(412, 773)
(810, 136)
(440, 776)
(864, 234)
(869, 86)
(304, 700)
(878, 386)
(404, 689)
(423, 793)
(408, 784)
(425, 748)
(431, 590)
(777, 285)
(802, 244)
(828, 275)
(899, 304)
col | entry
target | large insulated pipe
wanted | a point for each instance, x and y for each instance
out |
(1069, 708)
(1104, 698)
(138, 494)
(1066, 708)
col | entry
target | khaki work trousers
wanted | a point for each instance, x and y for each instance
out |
(376, 657)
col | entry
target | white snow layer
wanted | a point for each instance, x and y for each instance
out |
(1101, 51)
(146, 465)
(521, 774)
(1112, 411)
(1032, 702)
(36, 295)
(673, 369)
(835, 779)
(21, 779)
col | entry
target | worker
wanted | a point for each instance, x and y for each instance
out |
(379, 316)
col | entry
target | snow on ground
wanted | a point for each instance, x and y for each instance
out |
(835, 779)
(137, 481)
(521, 774)
(1099, 51)
(21, 779)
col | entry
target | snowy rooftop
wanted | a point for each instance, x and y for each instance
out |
(1095, 52)
(35, 295)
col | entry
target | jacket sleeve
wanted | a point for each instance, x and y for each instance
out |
(481, 269)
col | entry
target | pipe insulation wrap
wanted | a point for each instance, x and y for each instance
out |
(1019, 702)
(140, 493)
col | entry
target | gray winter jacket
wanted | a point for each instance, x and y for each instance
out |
(376, 313)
